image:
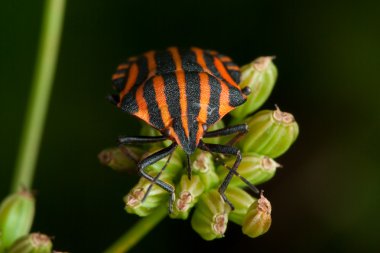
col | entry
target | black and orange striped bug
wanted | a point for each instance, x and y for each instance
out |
(181, 93)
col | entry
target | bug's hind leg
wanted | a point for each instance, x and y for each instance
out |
(154, 180)
(228, 150)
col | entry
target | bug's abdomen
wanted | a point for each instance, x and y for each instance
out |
(160, 86)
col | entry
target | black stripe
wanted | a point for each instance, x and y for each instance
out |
(165, 63)
(119, 84)
(142, 63)
(189, 61)
(213, 106)
(172, 98)
(235, 96)
(209, 59)
(154, 111)
(193, 95)
(129, 103)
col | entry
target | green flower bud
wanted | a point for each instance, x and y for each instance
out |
(1, 243)
(241, 201)
(156, 197)
(121, 158)
(187, 194)
(33, 243)
(16, 217)
(210, 217)
(216, 126)
(255, 168)
(203, 165)
(258, 218)
(147, 130)
(260, 76)
(271, 133)
(173, 169)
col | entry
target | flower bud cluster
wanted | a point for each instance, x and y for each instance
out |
(270, 134)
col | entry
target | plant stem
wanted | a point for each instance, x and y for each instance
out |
(138, 231)
(40, 93)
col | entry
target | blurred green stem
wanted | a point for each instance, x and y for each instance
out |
(39, 98)
(138, 231)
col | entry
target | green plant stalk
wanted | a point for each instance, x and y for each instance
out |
(39, 98)
(138, 231)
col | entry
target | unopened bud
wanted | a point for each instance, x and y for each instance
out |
(258, 218)
(187, 194)
(203, 165)
(271, 133)
(121, 158)
(255, 168)
(16, 217)
(219, 139)
(260, 76)
(210, 217)
(33, 243)
(241, 201)
(135, 202)
(147, 130)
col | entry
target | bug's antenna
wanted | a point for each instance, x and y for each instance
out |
(188, 167)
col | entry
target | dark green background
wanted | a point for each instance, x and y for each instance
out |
(325, 199)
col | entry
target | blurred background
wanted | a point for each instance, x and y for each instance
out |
(325, 199)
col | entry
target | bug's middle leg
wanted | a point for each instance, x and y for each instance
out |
(154, 180)
(240, 130)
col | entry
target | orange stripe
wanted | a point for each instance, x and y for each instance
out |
(200, 59)
(223, 72)
(123, 66)
(118, 75)
(176, 57)
(236, 68)
(224, 107)
(142, 113)
(158, 85)
(213, 52)
(180, 74)
(204, 97)
(183, 100)
(133, 72)
(225, 59)
(151, 63)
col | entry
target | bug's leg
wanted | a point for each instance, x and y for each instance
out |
(141, 139)
(227, 150)
(157, 176)
(152, 159)
(240, 130)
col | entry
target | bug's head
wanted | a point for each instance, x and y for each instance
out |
(187, 133)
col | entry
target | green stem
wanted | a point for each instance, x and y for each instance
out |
(39, 97)
(138, 231)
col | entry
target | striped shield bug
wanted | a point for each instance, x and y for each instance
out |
(181, 93)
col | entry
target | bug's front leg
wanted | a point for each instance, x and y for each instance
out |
(154, 180)
(141, 139)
